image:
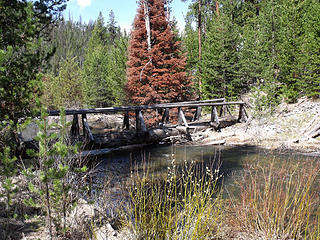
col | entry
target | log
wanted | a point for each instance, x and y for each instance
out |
(315, 132)
(95, 153)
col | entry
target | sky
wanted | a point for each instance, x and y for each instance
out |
(124, 10)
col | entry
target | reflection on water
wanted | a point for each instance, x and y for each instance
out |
(116, 168)
(157, 159)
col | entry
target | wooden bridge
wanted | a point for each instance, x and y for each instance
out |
(137, 113)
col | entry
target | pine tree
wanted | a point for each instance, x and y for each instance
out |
(200, 13)
(220, 57)
(69, 39)
(65, 90)
(112, 28)
(156, 66)
(104, 69)
(310, 47)
(23, 26)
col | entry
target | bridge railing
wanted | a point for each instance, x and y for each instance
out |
(140, 125)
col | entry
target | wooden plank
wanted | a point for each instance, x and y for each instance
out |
(75, 129)
(214, 115)
(143, 107)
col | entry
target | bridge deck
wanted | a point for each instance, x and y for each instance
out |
(140, 125)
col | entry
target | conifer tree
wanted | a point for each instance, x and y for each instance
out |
(104, 68)
(156, 68)
(220, 57)
(310, 46)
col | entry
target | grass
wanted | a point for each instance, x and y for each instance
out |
(278, 202)
(184, 205)
(275, 201)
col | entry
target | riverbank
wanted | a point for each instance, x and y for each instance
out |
(290, 127)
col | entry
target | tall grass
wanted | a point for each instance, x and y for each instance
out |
(185, 204)
(278, 202)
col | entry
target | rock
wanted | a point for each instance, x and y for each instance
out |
(29, 133)
(82, 217)
(105, 232)
(105, 121)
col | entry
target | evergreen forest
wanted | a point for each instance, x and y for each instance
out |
(226, 49)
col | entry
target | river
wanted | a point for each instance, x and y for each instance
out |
(117, 167)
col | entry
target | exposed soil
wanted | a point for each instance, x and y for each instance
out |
(291, 126)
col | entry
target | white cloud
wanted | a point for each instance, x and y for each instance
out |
(84, 3)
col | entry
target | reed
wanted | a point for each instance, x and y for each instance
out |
(185, 204)
(278, 202)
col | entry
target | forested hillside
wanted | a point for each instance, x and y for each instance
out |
(270, 45)
(88, 67)
(231, 47)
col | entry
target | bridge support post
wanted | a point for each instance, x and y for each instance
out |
(86, 129)
(243, 116)
(75, 129)
(165, 116)
(197, 114)
(181, 118)
(126, 124)
(214, 116)
(140, 125)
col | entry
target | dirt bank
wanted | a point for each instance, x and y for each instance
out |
(291, 126)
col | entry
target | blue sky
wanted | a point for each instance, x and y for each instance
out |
(124, 10)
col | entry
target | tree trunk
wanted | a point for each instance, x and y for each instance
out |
(147, 20)
(199, 44)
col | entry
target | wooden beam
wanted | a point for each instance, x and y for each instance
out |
(214, 115)
(229, 111)
(126, 124)
(86, 129)
(242, 114)
(140, 125)
(197, 114)
(181, 118)
(143, 107)
(75, 129)
(165, 116)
